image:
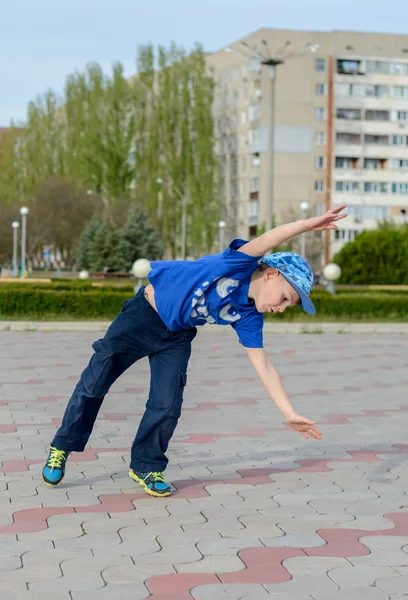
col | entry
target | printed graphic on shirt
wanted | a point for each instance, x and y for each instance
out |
(200, 310)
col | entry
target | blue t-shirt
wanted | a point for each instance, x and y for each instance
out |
(212, 289)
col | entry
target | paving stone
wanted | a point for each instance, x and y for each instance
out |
(393, 585)
(353, 593)
(350, 576)
(230, 592)
(133, 591)
(226, 546)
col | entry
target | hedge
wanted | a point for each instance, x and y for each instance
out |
(58, 286)
(39, 304)
(353, 307)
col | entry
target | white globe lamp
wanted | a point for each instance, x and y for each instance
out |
(141, 268)
(83, 274)
(332, 272)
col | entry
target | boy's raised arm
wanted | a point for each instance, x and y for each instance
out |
(273, 238)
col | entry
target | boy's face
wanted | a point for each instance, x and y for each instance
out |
(275, 294)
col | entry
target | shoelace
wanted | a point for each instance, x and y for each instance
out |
(56, 458)
(156, 476)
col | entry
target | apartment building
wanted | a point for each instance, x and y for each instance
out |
(339, 135)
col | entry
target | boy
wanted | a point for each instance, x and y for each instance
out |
(235, 287)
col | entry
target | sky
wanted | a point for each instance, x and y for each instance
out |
(43, 41)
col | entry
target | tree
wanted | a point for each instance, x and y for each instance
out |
(139, 239)
(84, 243)
(106, 245)
(117, 137)
(375, 257)
(104, 250)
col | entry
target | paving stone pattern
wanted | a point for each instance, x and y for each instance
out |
(257, 511)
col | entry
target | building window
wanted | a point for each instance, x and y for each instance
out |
(320, 89)
(319, 185)
(254, 184)
(244, 164)
(377, 66)
(351, 114)
(375, 187)
(243, 187)
(378, 140)
(320, 114)
(345, 163)
(234, 189)
(399, 163)
(253, 208)
(348, 138)
(320, 65)
(319, 162)
(379, 91)
(402, 115)
(255, 136)
(377, 115)
(347, 186)
(400, 91)
(254, 112)
(373, 163)
(399, 140)
(347, 67)
(243, 117)
(399, 188)
(399, 68)
(346, 235)
(245, 93)
(320, 137)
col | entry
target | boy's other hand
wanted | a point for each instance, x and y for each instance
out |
(326, 221)
(304, 426)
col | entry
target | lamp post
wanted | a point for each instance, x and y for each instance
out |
(140, 269)
(23, 212)
(266, 60)
(331, 273)
(304, 208)
(15, 225)
(221, 227)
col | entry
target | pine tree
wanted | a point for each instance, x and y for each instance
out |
(139, 239)
(84, 243)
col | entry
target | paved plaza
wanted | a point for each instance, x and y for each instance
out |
(258, 512)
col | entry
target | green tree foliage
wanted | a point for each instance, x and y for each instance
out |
(376, 257)
(104, 245)
(84, 243)
(118, 137)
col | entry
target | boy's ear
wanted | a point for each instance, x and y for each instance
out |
(270, 273)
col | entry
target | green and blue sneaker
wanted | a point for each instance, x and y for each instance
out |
(153, 483)
(54, 469)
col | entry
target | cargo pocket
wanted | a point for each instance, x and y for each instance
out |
(178, 393)
(95, 376)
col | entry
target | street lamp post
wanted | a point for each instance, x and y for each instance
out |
(23, 212)
(15, 225)
(272, 63)
(221, 227)
(304, 206)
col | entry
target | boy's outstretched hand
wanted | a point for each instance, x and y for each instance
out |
(326, 221)
(304, 426)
